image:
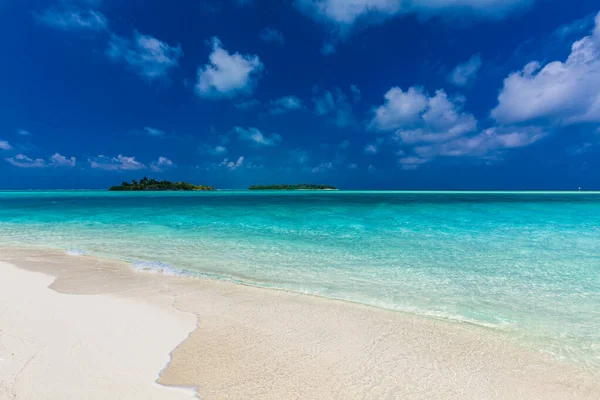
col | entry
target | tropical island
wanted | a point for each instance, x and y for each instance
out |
(304, 186)
(146, 184)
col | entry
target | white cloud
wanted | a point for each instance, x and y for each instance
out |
(342, 15)
(22, 161)
(4, 145)
(427, 127)
(558, 92)
(371, 149)
(227, 75)
(154, 132)
(247, 105)
(73, 18)
(465, 73)
(417, 117)
(231, 164)
(285, 104)
(160, 164)
(62, 161)
(119, 163)
(272, 35)
(334, 103)
(146, 55)
(216, 150)
(483, 143)
(56, 160)
(23, 132)
(257, 137)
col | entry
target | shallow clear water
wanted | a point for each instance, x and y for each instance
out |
(528, 264)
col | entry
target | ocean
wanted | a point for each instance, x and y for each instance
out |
(526, 264)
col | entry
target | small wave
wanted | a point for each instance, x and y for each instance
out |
(75, 252)
(155, 267)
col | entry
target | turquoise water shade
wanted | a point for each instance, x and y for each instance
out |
(524, 263)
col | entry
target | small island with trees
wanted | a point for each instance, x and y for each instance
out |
(304, 186)
(146, 184)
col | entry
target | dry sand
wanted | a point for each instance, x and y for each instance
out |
(103, 330)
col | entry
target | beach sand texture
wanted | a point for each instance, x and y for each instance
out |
(90, 328)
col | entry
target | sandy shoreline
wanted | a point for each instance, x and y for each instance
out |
(103, 330)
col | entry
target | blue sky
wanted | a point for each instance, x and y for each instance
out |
(390, 94)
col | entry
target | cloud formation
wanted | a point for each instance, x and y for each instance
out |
(161, 164)
(257, 137)
(228, 75)
(56, 160)
(558, 92)
(271, 35)
(465, 73)
(62, 161)
(119, 163)
(342, 15)
(334, 102)
(284, 104)
(153, 131)
(417, 117)
(232, 165)
(214, 151)
(427, 127)
(4, 145)
(144, 54)
(73, 19)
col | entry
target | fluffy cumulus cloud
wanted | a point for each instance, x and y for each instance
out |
(427, 127)
(272, 35)
(62, 161)
(118, 163)
(73, 19)
(257, 137)
(342, 15)
(335, 103)
(57, 160)
(226, 74)
(161, 164)
(144, 54)
(563, 92)
(465, 73)
(417, 117)
(4, 145)
(285, 104)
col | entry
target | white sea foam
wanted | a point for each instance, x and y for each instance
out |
(158, 267)
(75, 252)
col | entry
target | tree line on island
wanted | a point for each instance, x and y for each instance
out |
(302, 186)
(146, 184)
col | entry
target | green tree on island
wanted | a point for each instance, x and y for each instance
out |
(146, 184)
(303, 186)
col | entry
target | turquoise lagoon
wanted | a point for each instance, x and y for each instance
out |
(527, 264)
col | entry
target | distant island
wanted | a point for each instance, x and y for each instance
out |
(146, 184)
(292, 187)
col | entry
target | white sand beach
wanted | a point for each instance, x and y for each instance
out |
(83, 327)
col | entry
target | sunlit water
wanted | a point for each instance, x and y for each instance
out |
(527, 264)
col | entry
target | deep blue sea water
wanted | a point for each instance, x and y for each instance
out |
(524, 263)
